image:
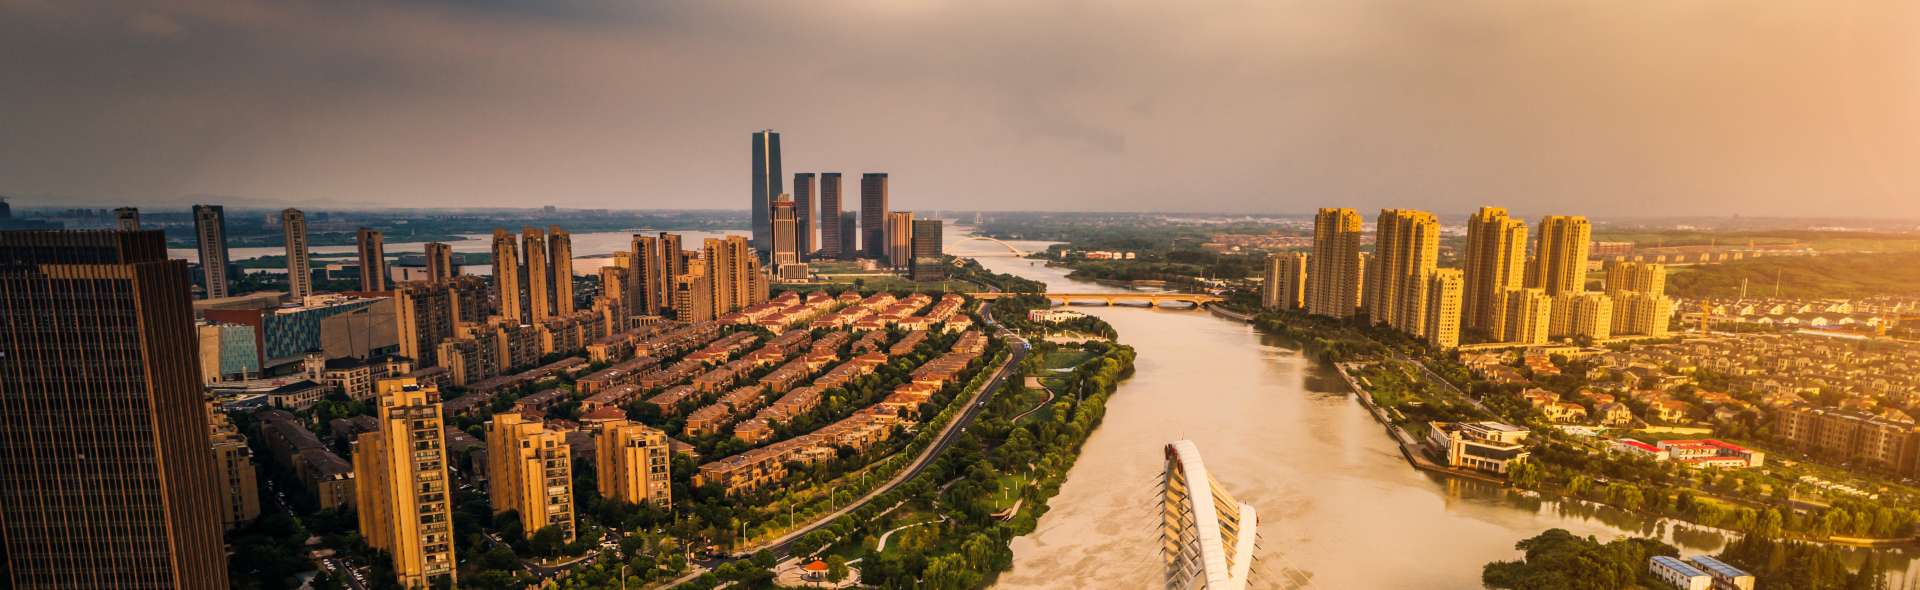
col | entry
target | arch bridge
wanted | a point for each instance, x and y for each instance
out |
(1018, 253)
(1151, 299)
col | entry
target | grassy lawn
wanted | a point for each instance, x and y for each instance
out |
(1066, 358)
(1008, 490)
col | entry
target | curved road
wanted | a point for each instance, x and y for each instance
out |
(782, 546)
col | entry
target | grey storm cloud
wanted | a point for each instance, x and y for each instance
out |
(1783, 107)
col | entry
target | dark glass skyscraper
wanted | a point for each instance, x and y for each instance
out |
(106, 480)
(849, 227)
(873, 214)
(830, 237)
(766, 185)
(803, 212)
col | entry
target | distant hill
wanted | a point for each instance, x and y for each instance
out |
(1829, 276)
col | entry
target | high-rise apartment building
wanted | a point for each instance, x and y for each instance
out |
(830, 237)
(803, 213)
(530, 470)
(643, 276)
(126, 219)
(373, 259)
(1406, 250)
(1642, 277)
(440, 266)
(1525, 316)
(730, 268)
(426, 314)
(693, 297)
(1560, 255)
(1333, 282)
(293, 229)
(506, 276)
(1495, 255)
(899, 237)
(928, 248)
(633, 462)
(533, 244)
(1285, 284)
(786, 241)
(1446, 288)
(1577, 315)
(873, 214)
(105, 476)
(234, 472)
(849, 234)
(210, 236)
(560, 249)
(673, 263)
(1641, 314)
(766, 185)
(401, 488)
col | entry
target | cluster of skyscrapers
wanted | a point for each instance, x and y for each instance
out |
(1500, 293)
(785, 225)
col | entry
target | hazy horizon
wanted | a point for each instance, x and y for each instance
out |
(1713, 108)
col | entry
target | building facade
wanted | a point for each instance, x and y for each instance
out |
(373, 259)
(1334, 279)
(440, 265)
(633, 462)
(929, 250)
(293, 229)
(1285, 283)
(873, 214)
(106, 480)
(210, 235)
(803, 197)
(1496, 251)
(1560, 255)
(530, 470)
(786, 239)
(506, 276)
(899, 237)
(1406, 250)
(560, 262)
(766, 185)
(1446, 289)
(401, 486)
(830, 237)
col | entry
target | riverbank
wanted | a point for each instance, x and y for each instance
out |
(1410, 447)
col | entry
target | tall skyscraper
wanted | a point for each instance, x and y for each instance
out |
(1285, 286)
(1445, 289)
(643, 276)
(210, 235)
(401, 488)
(560, 248)
(786, 240)
(1495, 252)
(530, 470)
(830, 239)
(633, 463)
(766, 185)
(849, 231)
(899, 239)
(873, 214)
(126, 219)
(533, 243)
(105, 476)
(373, 259)
(1560, 255)
(928, 248)
(440, 267)
(1333, 281)
(1406, 250)
(293, 230)
(803, 213)
(506, 276)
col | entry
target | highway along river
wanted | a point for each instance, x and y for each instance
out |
(1339, 507)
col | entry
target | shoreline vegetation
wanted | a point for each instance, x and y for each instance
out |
(1565, 468)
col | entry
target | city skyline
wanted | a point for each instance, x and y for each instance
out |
(1295, 98)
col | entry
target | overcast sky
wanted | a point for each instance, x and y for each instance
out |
(1602, 107)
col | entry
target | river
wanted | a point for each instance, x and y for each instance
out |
(1339, 507)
